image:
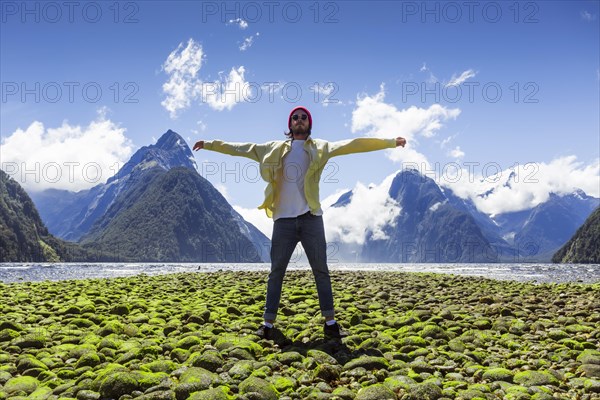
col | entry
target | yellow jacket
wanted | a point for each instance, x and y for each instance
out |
(270, 155)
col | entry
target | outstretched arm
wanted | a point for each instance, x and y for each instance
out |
(360, 145)
(251, 150)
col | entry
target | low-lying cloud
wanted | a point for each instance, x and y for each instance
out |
(69, 157)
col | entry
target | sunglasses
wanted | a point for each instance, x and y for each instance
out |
(296, 116)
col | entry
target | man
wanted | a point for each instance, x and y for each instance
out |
(293, 169)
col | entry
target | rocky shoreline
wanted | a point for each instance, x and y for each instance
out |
(413, 337)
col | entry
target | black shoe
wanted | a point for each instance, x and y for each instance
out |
(264, 332)
(334, 331)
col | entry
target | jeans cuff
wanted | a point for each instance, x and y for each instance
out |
(270, 316)
(328, 313)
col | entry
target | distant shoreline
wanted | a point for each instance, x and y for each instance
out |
(530, 272)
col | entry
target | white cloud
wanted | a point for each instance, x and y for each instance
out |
(67, 157)
(227, 91)
(258, 218)
(456, 81)
(369, 211)
(248, 42)
(529, 185)
(456, 152)
(182, 66)
(185, 86)
(588, 16)
(432, 78)
(239, 22)
(380, 119)
(201, 127)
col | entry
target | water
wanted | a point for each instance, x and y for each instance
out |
(539, 273)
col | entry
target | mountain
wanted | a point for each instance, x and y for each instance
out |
(583, 246)
(106, 216)
(70, 215)
(171, 216)
(435, 225)
(23, 235)
(428, 228)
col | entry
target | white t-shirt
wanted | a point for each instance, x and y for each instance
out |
(292, 201)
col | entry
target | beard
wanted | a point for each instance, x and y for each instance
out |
(300, 130)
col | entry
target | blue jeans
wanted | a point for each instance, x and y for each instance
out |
(287, 232)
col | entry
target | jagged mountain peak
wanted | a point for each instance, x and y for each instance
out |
(170, 151)
(170, 140)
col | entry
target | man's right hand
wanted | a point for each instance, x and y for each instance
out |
(199, 145)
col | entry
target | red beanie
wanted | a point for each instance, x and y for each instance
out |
(307, 113)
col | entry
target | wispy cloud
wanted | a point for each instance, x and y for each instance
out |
(432, 78)
(228, 91)
(182, 66)
(456, 152)
(239, 22)
(248, 42)
(588, 16)
(456, 81)
(69, 157)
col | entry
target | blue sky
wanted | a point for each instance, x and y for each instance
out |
(478, 89)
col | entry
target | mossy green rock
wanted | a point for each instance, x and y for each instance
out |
(29, 362)
(218, 393)
(368, 362)
(498, 374)
(471, 394)
(321, 357)
(4, 377)
(284, 383)
(260, 386)
(241, 369)
(289, 357)
(6, 335)
(26, 384)
(589, 356)
(188, 342)
(117, 384)
(344, 393)
(377, 391)
(15, 326)
(592, 385)
(193, 380)
(535, 378)
(327, 372)
(397, 382)
(88, 395)
(210, 360)
(424, 391)
(590, 370)
(167, 366)
(229, 342)
(30, 341)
